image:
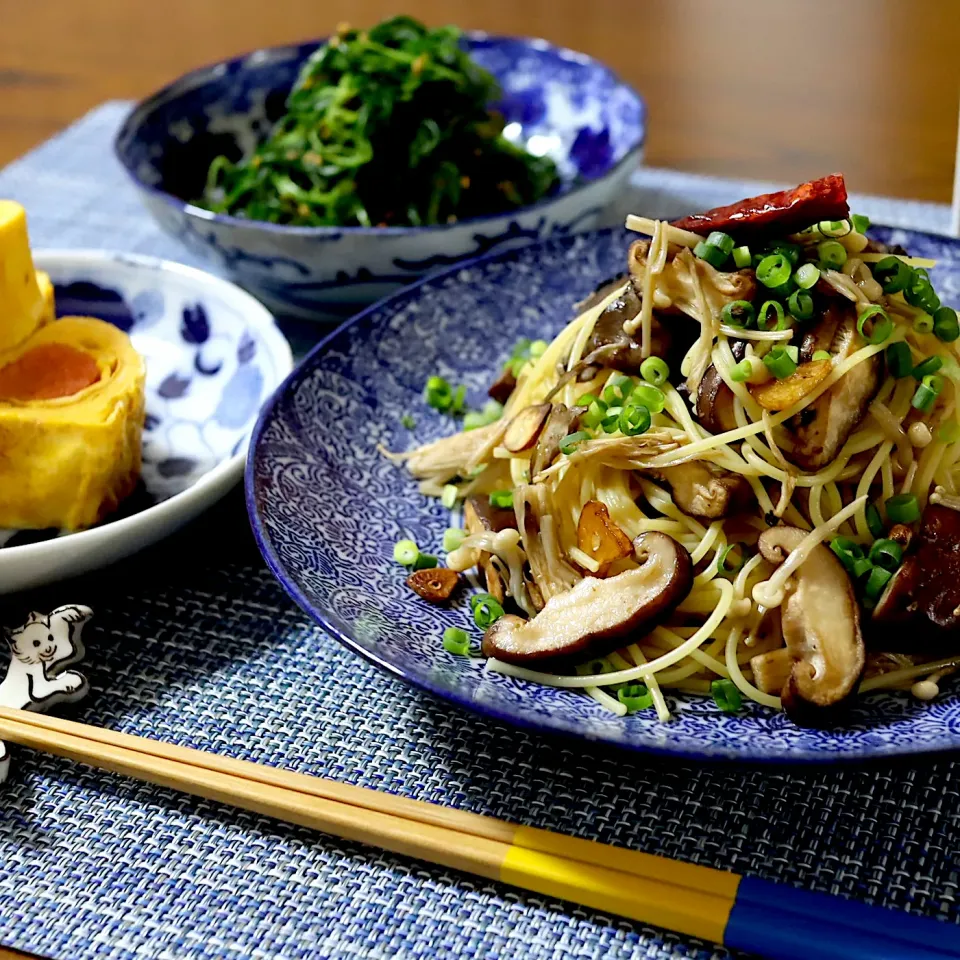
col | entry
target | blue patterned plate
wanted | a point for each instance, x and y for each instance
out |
(327, 508)
(213, 354)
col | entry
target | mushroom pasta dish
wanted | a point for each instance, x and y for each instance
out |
(734, 473)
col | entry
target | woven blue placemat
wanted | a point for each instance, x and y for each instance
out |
(194, 643)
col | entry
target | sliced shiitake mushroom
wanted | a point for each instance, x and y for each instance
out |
(822, 428)
(919, 611)
(781, 394)
(523, 430)
(594, 616)
(599, 537)
(435, 584)
(560, 422)
(702, 489)
(772, 670)
(480, 515)
(715, 402)
(821, 627)
(503, 386)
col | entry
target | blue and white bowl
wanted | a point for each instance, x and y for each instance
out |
(556, 101)
(213, 356)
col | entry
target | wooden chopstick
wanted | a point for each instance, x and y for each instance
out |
(588, 851)
(744, 912)
(691, 909)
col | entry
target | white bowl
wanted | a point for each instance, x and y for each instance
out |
(213, 356)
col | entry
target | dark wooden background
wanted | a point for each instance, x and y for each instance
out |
(773, 89)
(776, 89)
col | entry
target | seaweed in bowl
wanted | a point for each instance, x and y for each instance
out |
(387, 127)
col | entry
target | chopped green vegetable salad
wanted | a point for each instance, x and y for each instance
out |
(392, 126)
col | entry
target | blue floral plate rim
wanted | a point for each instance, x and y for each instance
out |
(888, 753)
(212, 70)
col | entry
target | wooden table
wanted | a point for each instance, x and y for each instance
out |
(750, 88)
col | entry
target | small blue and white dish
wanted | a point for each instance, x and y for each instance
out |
(327, 506)
(213, 355)
(556, 101)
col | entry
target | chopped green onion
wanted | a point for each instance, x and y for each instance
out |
(923, 323)
(949, 432)
(448, 496)
(779, 324)
(586, 400)
(927, 393)
(807, 275)
(713, 255)
(649, 396)
(655, 371)
(847, 551)
(876, 582)
(903, 508)
(821, 355)
(791, 251)
(726, 695)
(452, 538)
(405, 552)
(456, 641)
(426, 561)
(945, 324)
(723, 241)
(538, 348)
(859, 222)
(774, 270)
(572, 440)
(473, 420)
(892, 274)
(899, 359)
(741, 257)
(634, 419)
(501, 498)
(860, 567)
(874, 325)
(438, 394)
(611, 423)
(742, 371)
(780, 363)
(793, 352)
(832, 254)
(492, 411)
(408, 421)
(926, 367)
(834, 228)
(800, 305)
(923, 399)
(737, 313)
(886, 553)
(919, 291)
(459, 397)
(594, 415)
(486, 610)
(732, 559)
(874, 521)
(635, 696)
(617, 390)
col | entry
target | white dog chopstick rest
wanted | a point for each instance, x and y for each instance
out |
(41, 650)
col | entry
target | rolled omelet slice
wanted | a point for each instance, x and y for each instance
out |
(26, 295)
(71, 420)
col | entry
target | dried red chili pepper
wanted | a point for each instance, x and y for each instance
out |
(783, 212)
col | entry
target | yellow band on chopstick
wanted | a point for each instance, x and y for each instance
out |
(651, 899)
(644, 865)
